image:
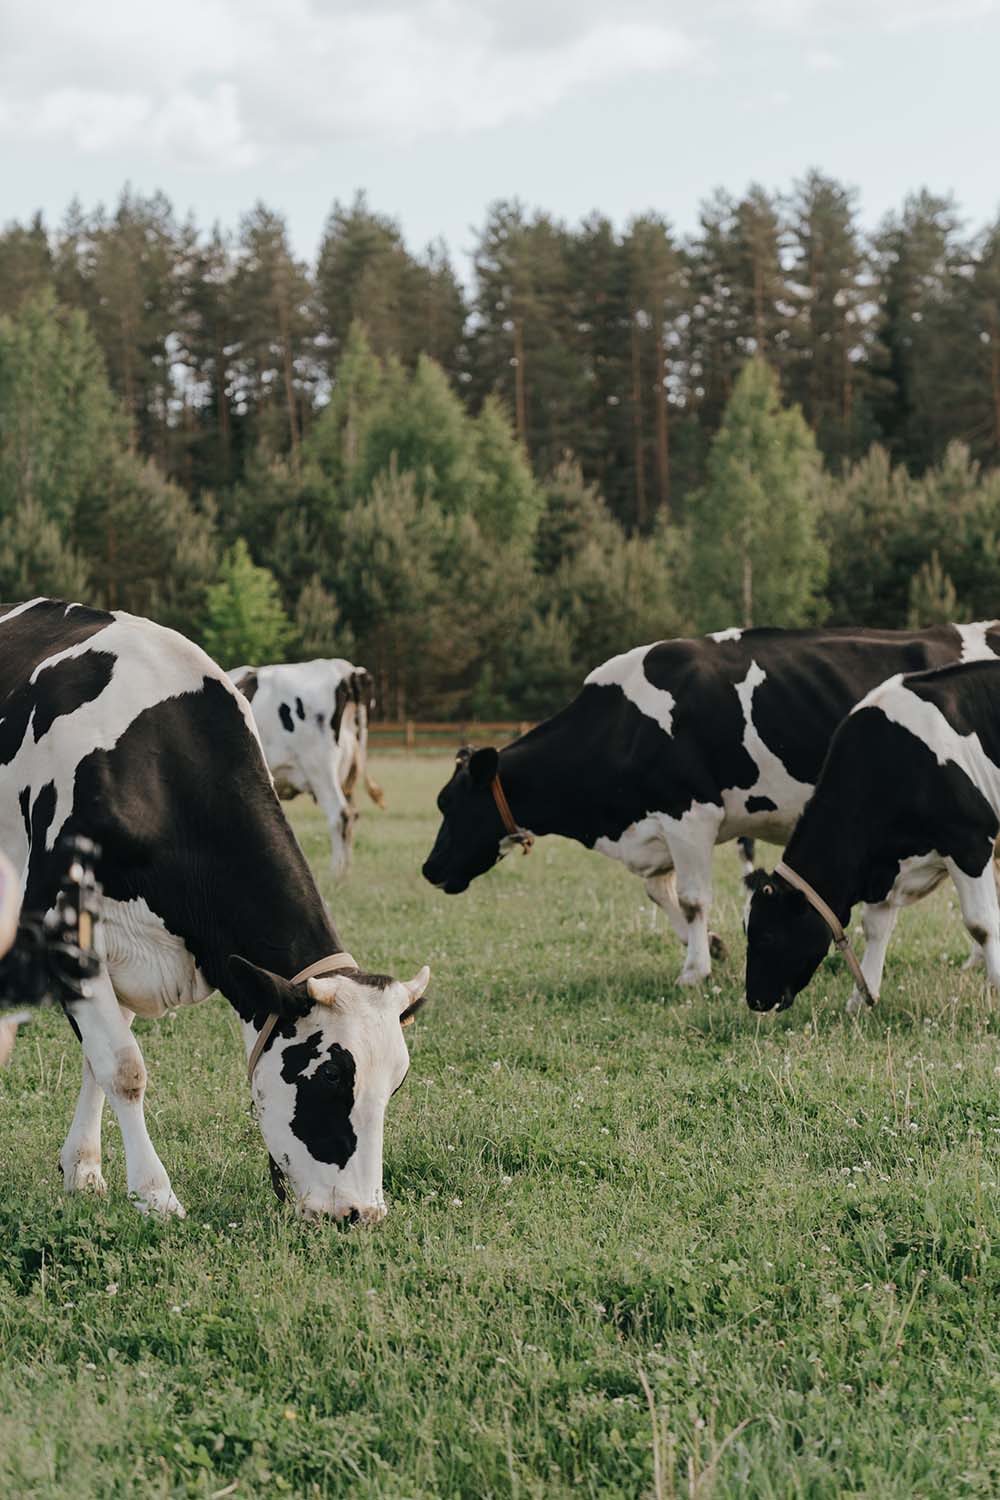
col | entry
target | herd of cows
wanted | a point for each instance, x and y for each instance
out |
(873, 756)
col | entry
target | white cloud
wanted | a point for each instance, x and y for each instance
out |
(231, 81)
(822, 61)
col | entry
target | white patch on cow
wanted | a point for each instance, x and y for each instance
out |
(773, 780)
(150, 967)
(734, 633)
(975, 646)
(20, 609)
(926, 722)
(628, 672)
(643, 848)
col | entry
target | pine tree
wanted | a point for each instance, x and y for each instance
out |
(244, 618)
(756, 557)
(826, 372)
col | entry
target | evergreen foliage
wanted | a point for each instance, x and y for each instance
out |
(244, 618)
(755, 553)
(613, 436)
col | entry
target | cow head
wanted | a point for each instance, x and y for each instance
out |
(471, 837)
(786, 941)
(322, 1084)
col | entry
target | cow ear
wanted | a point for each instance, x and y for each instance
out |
(414, 989)
(247, 683)
(483, 766)
(258, 991)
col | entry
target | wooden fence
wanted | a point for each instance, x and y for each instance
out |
(412, 734)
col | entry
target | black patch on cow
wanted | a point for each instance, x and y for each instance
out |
(341, 698)
(299, 709)
(285, 715)
(68, 685)
(295, 1058)
(248, 685)
(59, 689)
(321, 720)
(24, 803)
(323, 1104)
(756, 805)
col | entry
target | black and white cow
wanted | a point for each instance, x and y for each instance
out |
(672, 748)
(312, 717)
(909, 793)
(120, 730)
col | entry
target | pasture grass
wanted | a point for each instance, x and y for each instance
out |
(641, 1242)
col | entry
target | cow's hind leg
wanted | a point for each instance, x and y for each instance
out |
(977, 896)
(118, 1069)
(692, 840)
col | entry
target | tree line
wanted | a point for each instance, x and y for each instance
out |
(481, 492)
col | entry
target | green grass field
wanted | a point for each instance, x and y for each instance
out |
(640, 1242)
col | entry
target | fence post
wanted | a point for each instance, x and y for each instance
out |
(411, 738)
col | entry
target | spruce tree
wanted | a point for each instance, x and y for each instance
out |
(755, 554)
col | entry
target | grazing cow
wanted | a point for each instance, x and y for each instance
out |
(125, 732)
(672, 748)
(312, 717)
(909, 793)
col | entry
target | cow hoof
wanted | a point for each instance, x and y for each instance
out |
(691, 977)
(855, 1004)
(161, 1202)
(716, 946)
(975, 959)
(84, 1177)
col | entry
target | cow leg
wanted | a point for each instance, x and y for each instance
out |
(80, 1157)
(374, 791)
(691, 840)
(662, 889)
(878, 920)
(977, 896)
(745, 847)
(119, 1071)
(339, 820)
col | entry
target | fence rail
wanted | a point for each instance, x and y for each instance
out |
(414, 734)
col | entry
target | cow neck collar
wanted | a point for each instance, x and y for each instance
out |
(514, 830)
(840, 939)
(334, 963)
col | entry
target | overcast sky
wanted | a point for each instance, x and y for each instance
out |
(436, 107)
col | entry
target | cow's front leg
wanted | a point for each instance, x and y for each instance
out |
(80, 1157)
(692, 839)
(878, 921)
(662, 889)
(119, 1071)
(977, 896)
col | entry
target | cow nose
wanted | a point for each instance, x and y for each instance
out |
(369, 1213)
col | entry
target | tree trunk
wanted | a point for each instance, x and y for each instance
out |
(286, 345)
(520, 403)
(747, 579)
(662, 428)
(640, 465)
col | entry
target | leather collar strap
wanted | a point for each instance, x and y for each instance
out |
(840, 938)
(514, 830)
(332, 964)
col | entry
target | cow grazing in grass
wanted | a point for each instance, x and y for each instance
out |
(909, 793)
(117, 729)
(672, 748)
(312, 717)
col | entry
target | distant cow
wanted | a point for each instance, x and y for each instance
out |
(909, 793)
(124, 732)
(313, 723)
(672, 748)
